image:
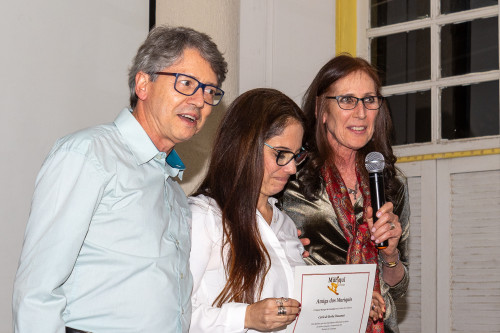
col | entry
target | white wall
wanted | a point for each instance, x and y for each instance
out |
(284, 43)
(64, 67)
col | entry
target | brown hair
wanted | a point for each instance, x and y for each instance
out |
(234, 179)
(165, 45)
(315, 132)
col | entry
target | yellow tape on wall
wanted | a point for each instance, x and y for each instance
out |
(438, 156)
(345, 26)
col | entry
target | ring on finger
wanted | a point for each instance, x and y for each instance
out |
(393, 226)
(281, 310)
(284, 299)
(279, 301)
(373, 307)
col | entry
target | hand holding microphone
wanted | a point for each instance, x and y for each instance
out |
(375, 163)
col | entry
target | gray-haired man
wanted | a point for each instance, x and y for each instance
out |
(107, 242)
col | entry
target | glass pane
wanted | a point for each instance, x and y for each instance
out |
(453, 6)
(470, 111)
(411, 117)
(385, 12)
(469, 47)
(403, 57)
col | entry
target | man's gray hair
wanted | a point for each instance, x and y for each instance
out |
(165, 45)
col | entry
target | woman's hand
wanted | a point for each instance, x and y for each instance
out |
(263, 315)
(305, 242)
(386, 227)
(377, 308)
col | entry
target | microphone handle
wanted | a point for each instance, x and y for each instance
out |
(377, 195)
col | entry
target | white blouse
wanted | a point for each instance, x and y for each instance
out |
(282, 244)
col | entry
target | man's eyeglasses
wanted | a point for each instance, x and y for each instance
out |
(350, 102)
(188, 86)
(284, 157)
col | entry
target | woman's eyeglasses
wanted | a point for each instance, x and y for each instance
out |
(350, 102)
(284, 157)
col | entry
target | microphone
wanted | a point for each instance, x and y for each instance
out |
(375, 163)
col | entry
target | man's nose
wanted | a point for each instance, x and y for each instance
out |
(197, 98)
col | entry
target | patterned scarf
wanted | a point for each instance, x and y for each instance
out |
(362, 249)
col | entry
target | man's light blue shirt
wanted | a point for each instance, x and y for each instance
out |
(107, 243)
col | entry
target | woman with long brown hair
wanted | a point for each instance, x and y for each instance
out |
(243, 247)
(329, 200)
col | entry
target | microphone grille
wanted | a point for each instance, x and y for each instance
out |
(374, 162)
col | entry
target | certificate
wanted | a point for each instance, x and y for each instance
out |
(334, 298)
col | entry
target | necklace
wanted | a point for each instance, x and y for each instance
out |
(353, 192)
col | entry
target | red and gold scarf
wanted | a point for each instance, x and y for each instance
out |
(362, 249)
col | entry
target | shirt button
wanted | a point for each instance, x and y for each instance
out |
(182, 276)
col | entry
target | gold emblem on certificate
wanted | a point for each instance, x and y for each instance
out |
(334, 284)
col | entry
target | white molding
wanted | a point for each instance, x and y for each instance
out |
(363, 19)
(426, 170)
(446, 146)
(439, 20)
(457, 80)
(429, 246)
(435, 65)
(443, 254)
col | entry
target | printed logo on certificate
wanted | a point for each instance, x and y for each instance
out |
(334, 298)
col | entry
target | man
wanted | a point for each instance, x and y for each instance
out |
(107, 242)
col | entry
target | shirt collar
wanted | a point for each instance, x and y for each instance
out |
(141, 145)
(135, 137)
(272, 201)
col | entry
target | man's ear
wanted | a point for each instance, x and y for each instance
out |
(141, 85)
